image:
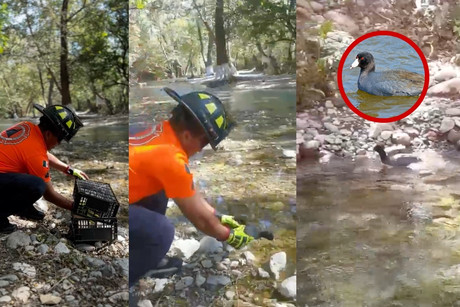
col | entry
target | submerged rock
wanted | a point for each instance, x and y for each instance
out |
(288, 287)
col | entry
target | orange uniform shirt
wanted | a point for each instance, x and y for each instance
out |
(23, 150)
(157, 164)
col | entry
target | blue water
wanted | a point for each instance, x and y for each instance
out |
(389, 53)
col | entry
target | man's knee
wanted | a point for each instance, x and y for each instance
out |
(37, 187)
(167, 234)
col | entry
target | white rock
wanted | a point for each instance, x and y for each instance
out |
(230, 295)
(185, 282)
(447, 87)
(457, 121)
(4, 283)
(287, 153)
(185, 247)
(288, 287)
(278, 263)
(263, 273)
(48, 299)
(313, 144)
(17, 239)
(25, 268)
(453, 112)
(413, 132)
(447, 124)
(234, 264)
(249, 257)
(453, 136)
(145, 303)
(120, 296)
(386, 135)
(61, 248)
(376, 128)
(5, 299)
(331, 127)
(218, 280)
(199, 280)
(401, 138)
(9, 277)
(86, 247)
(21, 294)
(210, 245)
(160, 284)
(41, 205)
(445, 74)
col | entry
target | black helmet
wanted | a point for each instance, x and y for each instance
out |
(63, 118)
(209, 111)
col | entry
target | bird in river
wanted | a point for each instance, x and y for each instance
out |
(400, 161)
(386, 83)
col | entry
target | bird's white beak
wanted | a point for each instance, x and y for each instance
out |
(355, 64)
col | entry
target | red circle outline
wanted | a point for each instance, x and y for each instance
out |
(344, 95)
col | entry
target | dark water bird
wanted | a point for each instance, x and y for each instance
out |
(401, 161)
(386, 83)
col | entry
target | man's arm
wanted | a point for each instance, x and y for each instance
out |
(201, 214)
(61, 166)
(54, 197)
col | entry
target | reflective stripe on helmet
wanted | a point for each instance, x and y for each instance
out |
(211, 107)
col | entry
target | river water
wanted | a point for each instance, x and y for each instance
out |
(390, 53)
(378, 237)
(253, 174)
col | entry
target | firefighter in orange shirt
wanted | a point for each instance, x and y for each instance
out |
(158, 170)
(25, 161)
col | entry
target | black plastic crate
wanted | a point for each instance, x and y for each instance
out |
(89, 230)
(94, 199)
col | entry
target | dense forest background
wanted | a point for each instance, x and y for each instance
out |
(191, 38)
(63, 52)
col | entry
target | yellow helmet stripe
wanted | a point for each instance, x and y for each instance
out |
(203, 96)
(63, 114)
(211, 107)
(69, 123)
(219, 121)
(58, 107)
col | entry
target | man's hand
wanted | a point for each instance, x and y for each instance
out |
(228, 220)
(238, 237)
(76, 172)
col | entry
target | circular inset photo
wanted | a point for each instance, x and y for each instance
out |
(383, 76)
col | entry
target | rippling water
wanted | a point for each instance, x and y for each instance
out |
(389, 53)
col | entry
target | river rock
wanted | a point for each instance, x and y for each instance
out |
(218, 280)
(120, 296)
(288, 287)
(332, 128)
(21, 294)
(263, 273)
(401, 138)
(184, 282)
(445, 74)
(342, 21)
(5, 299)
(43, 249)
(413, 132)
(199, 280)
(313, 144)
(25, 268)
(385, 135)
(447, 124)
(18, 239)
(230, 294)
(145, 303)
(86, 247)
(122, 266)
(453, 136)
(61, 248)
(289, 154)
(4, 283)
(160, 284)
(185, 247)
(48, 299)
(250, 258)
(376, 129)
(206, 263)
(278, 263)
(41, 205)
(447, 87)
(453, 112)
(209, 245)
(9, 277)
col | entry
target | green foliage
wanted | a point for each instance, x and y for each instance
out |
(326, 27)
(97, 55)
(3, 20)
(457, 27)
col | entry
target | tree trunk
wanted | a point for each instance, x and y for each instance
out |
(223, 68)
(65, 80)
(200, 37)
(208, 64)
(50, 92)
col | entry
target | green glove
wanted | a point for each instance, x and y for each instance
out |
(238, 237)
(77, 173)
(228, 220)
